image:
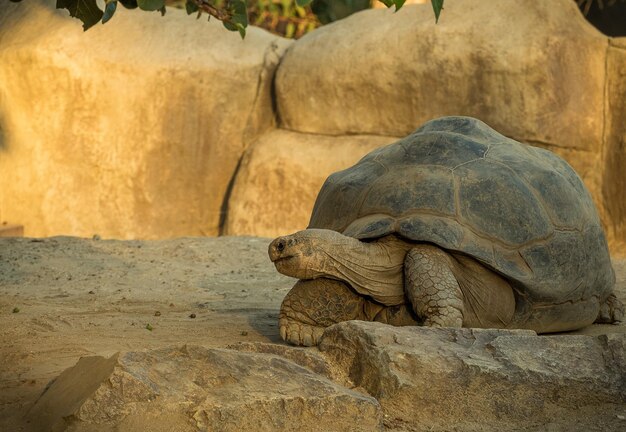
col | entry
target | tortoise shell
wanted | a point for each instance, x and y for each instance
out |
(455, 182)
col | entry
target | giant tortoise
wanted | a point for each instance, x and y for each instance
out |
(454, 225)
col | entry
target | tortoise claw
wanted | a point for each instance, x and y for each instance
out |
(611, 311)
(298, 333)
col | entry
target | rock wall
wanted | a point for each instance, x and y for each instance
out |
(614, 154)
(529, 69)
(164, 135)
(129, 130)
(280, 176)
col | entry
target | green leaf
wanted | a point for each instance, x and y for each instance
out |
(302, 3)
(242, 30)
(239, 17)
(334, 10)
(109, 10)
(150, 5)
(85, 10)
(191, 7)
(129, 4)
(397, 3)
(235, 27)
(437, 6)
(240, 12)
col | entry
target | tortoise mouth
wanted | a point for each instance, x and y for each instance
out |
(288, 266)
(281, 258)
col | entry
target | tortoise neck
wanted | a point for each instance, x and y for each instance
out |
(374, 268)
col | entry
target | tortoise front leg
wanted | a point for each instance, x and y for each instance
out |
(313, 305)
(432, 288)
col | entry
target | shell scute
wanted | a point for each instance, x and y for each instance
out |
(416, 186)
(494, 200)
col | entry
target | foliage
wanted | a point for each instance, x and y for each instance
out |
(585, 5)
(282, 17)
(333, 10)
(608, 16)
(232, 13)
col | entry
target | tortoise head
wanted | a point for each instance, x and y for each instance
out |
(306, 254)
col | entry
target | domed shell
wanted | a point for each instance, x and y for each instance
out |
(459, 184)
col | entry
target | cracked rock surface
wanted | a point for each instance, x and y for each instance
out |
(194, 388)
(483, 379)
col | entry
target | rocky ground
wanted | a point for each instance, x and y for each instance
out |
(195, 323)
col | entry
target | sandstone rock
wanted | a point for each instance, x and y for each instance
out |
(311, 359)
(433, 378)
(614, 154)
(193, 388)
(131, 129)
(531, 70)
(280, 176)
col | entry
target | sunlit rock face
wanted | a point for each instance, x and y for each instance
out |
(531, 70)
(135, 128)
(131, 129)
(614, 150)
(280, 176)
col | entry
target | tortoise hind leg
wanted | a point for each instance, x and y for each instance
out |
(432, 288)
(611, 311)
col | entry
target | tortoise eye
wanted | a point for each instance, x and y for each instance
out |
(280, 246)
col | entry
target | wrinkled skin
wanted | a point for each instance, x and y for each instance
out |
(374, 269)
(313, 305)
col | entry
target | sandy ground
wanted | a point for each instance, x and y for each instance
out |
(84, 297)
(62, 298)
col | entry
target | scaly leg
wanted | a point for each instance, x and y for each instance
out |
(611, 311)
(313, 305)
(432, 288)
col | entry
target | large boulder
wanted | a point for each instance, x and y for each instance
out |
(194, 388)
(487, 380)
(131, 129)
(531, 70)
(281, 174)
(534, 71)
